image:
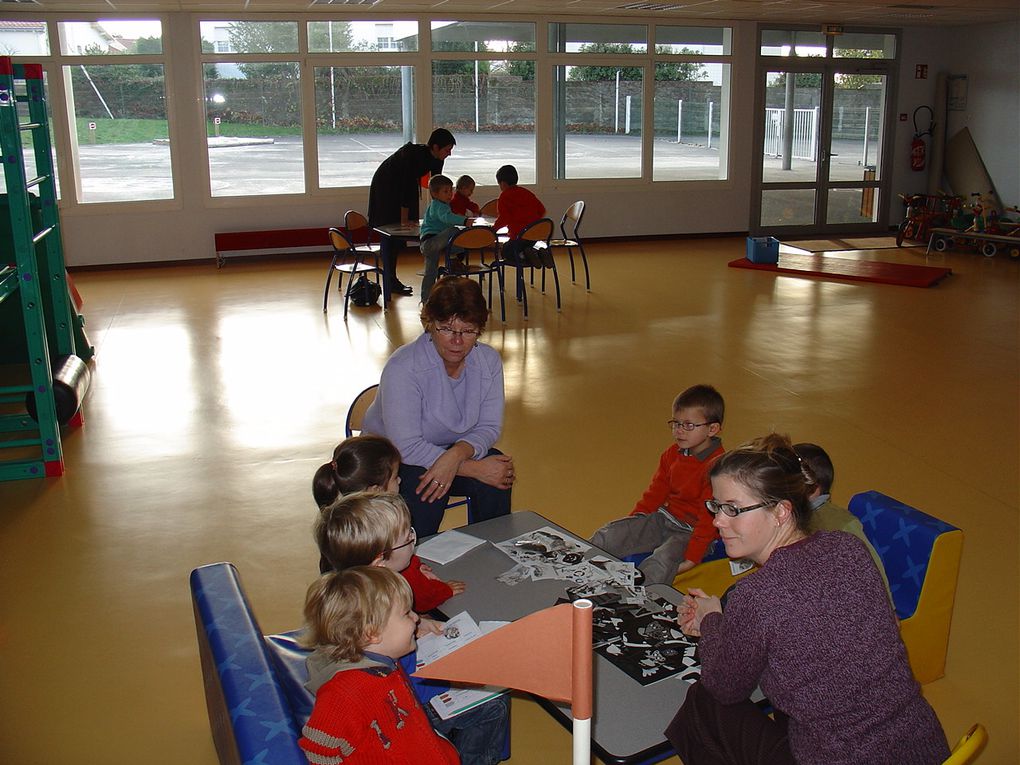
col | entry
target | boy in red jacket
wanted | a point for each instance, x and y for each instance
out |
(359, 622)
(518, 209)
(670, 520)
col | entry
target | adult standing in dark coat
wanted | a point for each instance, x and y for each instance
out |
(393, 196)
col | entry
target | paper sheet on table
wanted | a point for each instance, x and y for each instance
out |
(447, 546)
(457, 632)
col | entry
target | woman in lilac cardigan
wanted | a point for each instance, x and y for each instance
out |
(813, 628)
(440, 402)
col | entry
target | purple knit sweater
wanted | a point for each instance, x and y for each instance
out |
(815, 630)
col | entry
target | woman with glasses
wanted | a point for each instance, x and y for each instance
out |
(440, 402)
(813, 628)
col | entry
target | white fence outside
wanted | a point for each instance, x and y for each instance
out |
(805, 133)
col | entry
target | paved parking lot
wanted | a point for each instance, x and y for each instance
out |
(116, 172)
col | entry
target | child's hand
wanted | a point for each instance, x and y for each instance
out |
(685, 565)
(428, 626)
(427, 572)
(457, 586)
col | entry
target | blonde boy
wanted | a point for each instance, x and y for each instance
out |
(359, 622)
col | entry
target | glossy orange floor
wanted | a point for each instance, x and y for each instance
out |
(218, 392)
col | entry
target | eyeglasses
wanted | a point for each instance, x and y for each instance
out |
(688, 426)
(412, 539)
(732, 510)
(464, 334)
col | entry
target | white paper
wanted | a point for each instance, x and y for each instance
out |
(447, 546)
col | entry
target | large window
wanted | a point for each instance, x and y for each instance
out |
(253, 109)
(602, 77)
(691, 106)
(117, 109)
(488, 103)
(362, 115)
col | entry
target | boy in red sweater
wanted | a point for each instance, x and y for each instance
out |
(518, 209)
(670, 519)
(359, 622)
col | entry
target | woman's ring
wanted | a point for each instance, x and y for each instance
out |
(435, 481)
(441, 485)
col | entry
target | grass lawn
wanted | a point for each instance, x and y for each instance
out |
(145, 131)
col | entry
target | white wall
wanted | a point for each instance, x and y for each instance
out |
(989, 55)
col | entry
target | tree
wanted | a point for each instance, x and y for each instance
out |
(149, 46)
(461, 67)
(802, 80)
(602, 73)
(664, 70)
(685, 71)
(264, 37)
(517, 68)
(859, 81)
(322, 34)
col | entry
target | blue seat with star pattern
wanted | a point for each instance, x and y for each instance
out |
(921, 557)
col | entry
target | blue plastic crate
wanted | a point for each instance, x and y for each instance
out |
(763, 249)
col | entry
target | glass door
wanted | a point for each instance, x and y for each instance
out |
(856, 148)
(823, 118)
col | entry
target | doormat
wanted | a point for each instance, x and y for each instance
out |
(843, 243)
(846, 269)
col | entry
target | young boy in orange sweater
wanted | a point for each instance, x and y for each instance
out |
(670, 520)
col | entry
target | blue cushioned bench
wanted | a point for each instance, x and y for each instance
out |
(253, 683)
(921, 557)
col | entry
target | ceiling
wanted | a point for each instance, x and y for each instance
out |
(884, 13)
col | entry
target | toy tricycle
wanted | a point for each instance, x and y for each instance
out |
(925, 211)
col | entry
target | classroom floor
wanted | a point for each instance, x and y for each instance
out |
(217, 393)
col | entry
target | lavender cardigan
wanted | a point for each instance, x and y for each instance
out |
(814, 628)
(423, 411)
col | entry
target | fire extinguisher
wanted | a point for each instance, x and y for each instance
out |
(918, 149)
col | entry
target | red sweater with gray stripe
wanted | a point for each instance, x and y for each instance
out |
(365, 714)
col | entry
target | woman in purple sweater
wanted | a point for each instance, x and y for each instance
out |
(813, 628)
(440, 402)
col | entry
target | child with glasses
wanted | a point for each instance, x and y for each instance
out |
(374, 529)
(813, 628)
(371, 463)
(670, 520)
(359, 622)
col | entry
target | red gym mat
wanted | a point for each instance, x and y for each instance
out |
(829, 267)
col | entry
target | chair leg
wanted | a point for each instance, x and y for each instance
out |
(502, 298)
(329, 277)
(570, 253)
(522, 290)
(584, 260)
(556, 281)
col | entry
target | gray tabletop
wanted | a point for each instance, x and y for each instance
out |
(628, 719)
